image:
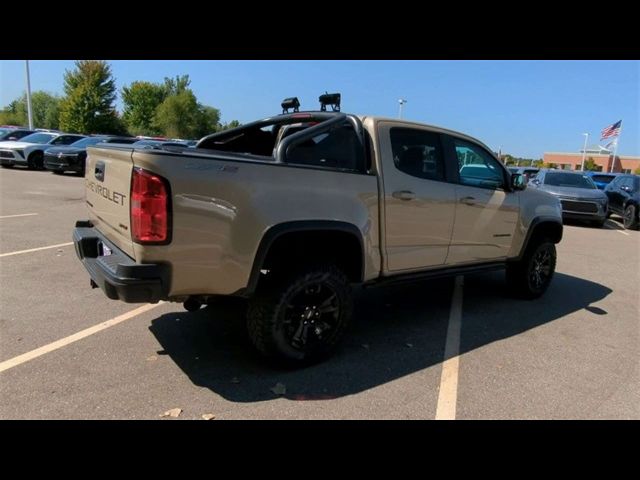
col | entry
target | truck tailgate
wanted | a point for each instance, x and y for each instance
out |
(107, 189)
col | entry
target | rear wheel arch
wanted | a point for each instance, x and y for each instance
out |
(311, 241)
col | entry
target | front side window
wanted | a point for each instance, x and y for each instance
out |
(417, 153)
(477, 168)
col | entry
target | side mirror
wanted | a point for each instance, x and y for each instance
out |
(518, 181)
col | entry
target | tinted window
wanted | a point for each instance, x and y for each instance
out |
(477, 167)
(338, 148)
(575, 180)
(66, 139)
(417, 153)
(17, 134)
(85, 142)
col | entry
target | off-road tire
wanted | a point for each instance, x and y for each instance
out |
(538, 262)
(277, 310)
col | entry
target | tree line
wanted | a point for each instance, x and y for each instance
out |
(168, 109)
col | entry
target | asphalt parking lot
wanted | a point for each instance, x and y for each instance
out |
(456, 348)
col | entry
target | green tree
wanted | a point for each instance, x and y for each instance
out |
(181, 116)
(549, 165)
(177, 85)
(141, 99)
(637, 171)
(231, 124)
(591, 165)
(44, 106)
(89, 103)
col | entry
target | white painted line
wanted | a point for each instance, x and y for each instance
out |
(448, 393)
(25, 357)
(623, 232)
(20, 215)
(35, 249)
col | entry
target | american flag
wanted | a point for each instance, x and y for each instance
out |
(611, 130)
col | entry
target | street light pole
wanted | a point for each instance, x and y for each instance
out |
(584, 149)
(29, 112)
(401, 101)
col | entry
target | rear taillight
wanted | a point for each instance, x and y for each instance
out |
(150, 204)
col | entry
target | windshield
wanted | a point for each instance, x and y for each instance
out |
(38, 138)
(85, 142)
(561, 179)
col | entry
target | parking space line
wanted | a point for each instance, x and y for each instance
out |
(448, 393)
(623, 232)
(35, 249)
(25, 357)
(19, 215)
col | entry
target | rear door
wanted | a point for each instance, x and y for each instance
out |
(419, 203)
(108, 186)
(486, 210)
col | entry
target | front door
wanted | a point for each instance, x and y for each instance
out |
(486, 210)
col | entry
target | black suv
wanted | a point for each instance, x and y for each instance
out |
(624, 199)
(72, 157)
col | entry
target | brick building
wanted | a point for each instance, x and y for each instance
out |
(573, 161)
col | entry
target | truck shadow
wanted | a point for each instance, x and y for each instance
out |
(397, 331)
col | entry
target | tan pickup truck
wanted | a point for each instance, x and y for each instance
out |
(290, 211)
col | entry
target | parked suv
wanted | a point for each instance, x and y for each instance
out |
(72, 157)
(29, 151)
(290, 222)
(601, 179)
(624, 199)
(579, 196)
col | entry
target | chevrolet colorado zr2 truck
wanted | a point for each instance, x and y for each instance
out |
(290, 211)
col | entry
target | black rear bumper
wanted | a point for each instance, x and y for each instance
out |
(117, 274)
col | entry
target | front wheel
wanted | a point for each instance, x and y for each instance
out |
(35, 161)
(530, 276)
(630, 217)
(301, 317)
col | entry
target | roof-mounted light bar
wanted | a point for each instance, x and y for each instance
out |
(291, 102)
(332, 99)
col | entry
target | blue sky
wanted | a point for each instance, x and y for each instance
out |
(524, 107)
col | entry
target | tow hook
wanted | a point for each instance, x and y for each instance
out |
(192, 304)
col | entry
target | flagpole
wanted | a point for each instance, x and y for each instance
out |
(615, 148)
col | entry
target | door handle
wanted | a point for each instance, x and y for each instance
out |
(404, 195)
(468, 200)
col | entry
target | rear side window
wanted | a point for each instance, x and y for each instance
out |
(417, 153)
(338, 148)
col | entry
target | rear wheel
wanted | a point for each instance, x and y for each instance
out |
(630, 217)
(530, 276)
(301, 317)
